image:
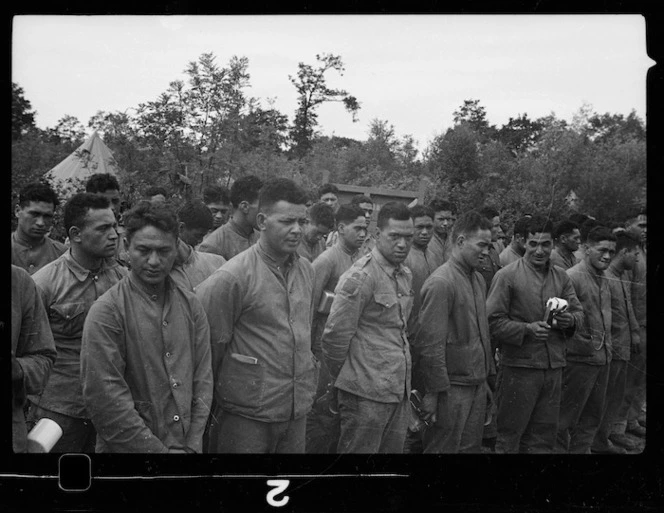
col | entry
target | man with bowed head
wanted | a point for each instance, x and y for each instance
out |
(532, 351)
(365, 342)
(239, 232)
(260, 309)
(145, 358)
(453, 343)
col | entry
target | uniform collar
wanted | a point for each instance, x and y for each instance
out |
(25, 243)
(185, 253)
(272, 263)
(388, 267)
(81, 272)
(461, 265)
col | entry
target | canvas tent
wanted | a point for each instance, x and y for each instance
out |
(91, 157)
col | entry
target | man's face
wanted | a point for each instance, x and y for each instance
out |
(520, 242)
(35, 219)
(474, 247)
(331, 199)
(314, 232)
(252, 212)
(640, 228)
(630, 258)
(192, 236)
(571, 241)
(600, 254)
(538, 249)
(395, 239)
(496, 230)
(151, 255)
(113, 196)
(219, 213)
(354, 234)
(443, 222)
(98, 237)
(423, 231)
(282, 227)
(367, 208)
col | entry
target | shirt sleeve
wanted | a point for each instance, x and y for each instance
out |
(347, 306)
(430, 343)
(501, 326)
(222, 298)
(573, 305)
(202, 385)
(35, 349)
(107, 396)
(211, 244)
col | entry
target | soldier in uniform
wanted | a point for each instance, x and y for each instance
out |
(365, 342)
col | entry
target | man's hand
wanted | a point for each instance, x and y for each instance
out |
(429, 406)
(564, 320)
(539, 330)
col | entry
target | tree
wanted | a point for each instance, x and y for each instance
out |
(474, 115)
(313, 91)
(68, 130)
(454, 156)
(23, 117)
(520, 134)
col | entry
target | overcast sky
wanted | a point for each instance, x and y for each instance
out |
(413, 71)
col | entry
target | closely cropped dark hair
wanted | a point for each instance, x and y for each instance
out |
(154, 190)
(322, 213)
(215, 194)
(146, 213)
(468, 223)
(539, 224)
(246, 189)
(626, 240)
(347, 213)
(392, 210)
(102, 182)
(521, 226)
(600, 233)
(78, 205)
(586, 227)
(564, 227)
(421, 211)
(440, 205)
(194, 214)
(361, 198)
(328, 187)
(280, 189)
(489, 212)
(37, 191)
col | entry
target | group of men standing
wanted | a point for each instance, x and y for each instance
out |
(295, 327)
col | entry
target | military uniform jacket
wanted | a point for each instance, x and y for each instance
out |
(453, 342)
(518, 297)
(365, 342)
(624, 326)
(260, 331)
(591, 343)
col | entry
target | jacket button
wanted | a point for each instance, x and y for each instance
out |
(176, 418)
(175, 385)
(165, 323)
(168, 355)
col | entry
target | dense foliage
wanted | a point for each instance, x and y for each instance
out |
(206, 129)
